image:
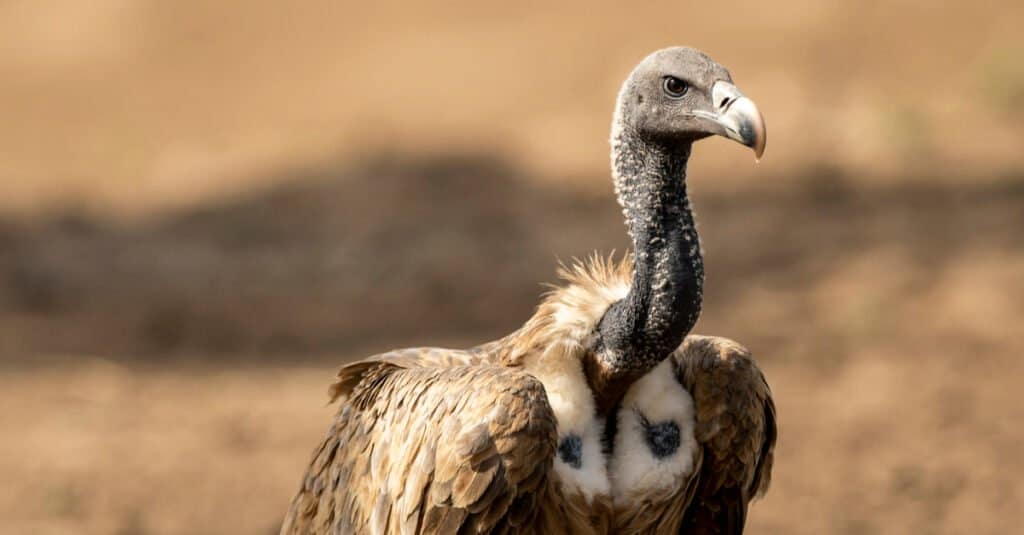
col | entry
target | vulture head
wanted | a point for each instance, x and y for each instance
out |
(680, 94)
(673, 98)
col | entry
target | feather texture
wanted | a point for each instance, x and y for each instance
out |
(437, 441)
(735, 425)
(428, 449)
(598, 415)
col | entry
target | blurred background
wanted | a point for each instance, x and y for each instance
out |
(207, 207)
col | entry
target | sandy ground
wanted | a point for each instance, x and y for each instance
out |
(890, 443)
(128, 107)
(884, 319)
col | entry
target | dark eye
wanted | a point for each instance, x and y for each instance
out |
(674, 87)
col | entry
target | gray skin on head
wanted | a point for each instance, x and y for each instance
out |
(652, 134)
(645, 108)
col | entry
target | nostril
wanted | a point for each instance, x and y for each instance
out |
(725, 102)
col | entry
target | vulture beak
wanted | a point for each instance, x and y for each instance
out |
(738, 116)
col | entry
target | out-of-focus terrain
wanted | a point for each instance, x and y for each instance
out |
(207, 207)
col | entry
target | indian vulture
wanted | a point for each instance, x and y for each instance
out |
(600, 414)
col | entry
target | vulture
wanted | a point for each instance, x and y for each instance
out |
(602, 413)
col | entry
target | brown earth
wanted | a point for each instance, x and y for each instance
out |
(883, 316)
(206, 207)
(126, 107)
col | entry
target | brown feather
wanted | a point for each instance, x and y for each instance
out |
(444, 441)
(482, 432)
(735, 427)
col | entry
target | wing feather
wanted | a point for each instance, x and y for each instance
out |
(446, 444)
(736, 429)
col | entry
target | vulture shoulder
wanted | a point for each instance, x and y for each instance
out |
(735, 428)
(429, 441)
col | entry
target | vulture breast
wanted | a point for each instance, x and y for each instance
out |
(655, 449)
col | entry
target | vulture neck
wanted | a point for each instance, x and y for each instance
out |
(664, 300)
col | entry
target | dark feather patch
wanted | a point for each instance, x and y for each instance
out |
(570, 450)
(662, 438)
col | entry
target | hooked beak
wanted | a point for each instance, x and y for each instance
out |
(737, 115)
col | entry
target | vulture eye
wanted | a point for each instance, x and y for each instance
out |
(674, 87)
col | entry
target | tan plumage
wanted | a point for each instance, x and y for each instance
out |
(412, 452)
(736, 427)
(599, 415)
(449, 441)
